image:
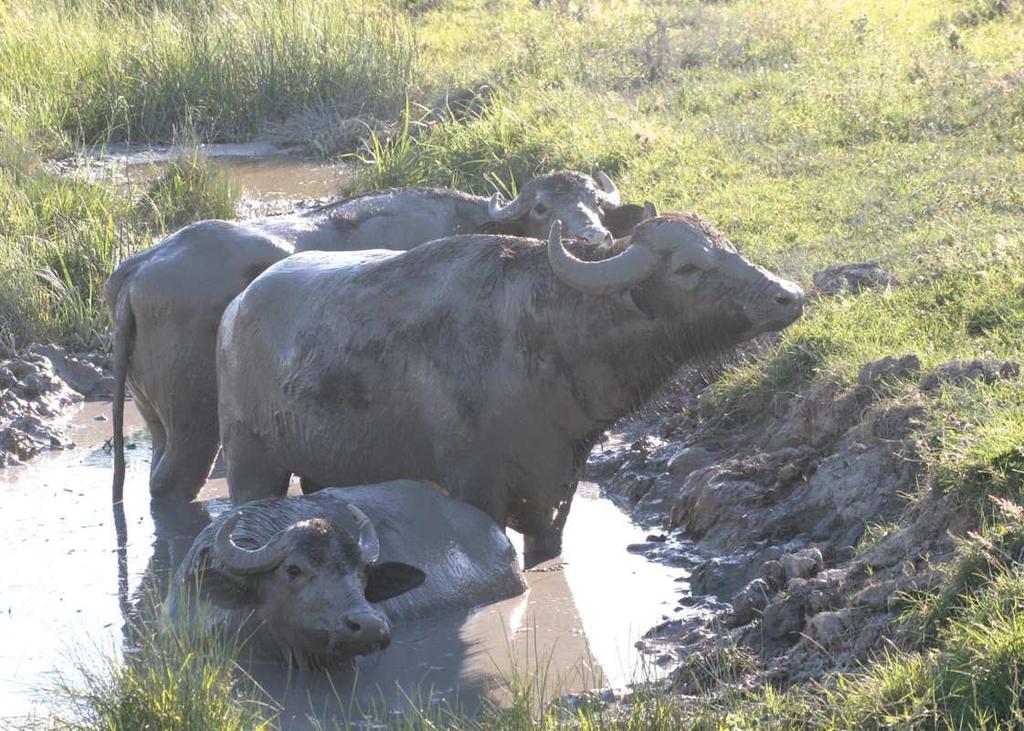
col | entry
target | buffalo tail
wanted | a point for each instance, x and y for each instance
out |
(124, 336)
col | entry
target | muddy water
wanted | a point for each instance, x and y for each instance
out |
(269, 176)
(70, 580)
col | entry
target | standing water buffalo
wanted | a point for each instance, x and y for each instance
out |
(318, 579)
(166, 302)
(489, 365)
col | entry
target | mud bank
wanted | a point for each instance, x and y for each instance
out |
(813, 521)
(36, 390)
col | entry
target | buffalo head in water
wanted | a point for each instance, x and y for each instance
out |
(319, 579)
(310, 587)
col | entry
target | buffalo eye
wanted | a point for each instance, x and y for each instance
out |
(540, 209)
(686, 269)
(294, 571)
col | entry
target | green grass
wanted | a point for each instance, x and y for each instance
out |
(106, 70)
(973, 678)
(177, 679)
(60, 237)
(188, 189)
(810, 133)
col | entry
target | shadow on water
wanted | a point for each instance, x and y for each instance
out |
(79, 577)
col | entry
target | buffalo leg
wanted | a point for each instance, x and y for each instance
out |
(475, 482)
(539, 548)
(185, 465)
(252, 475)
(547, 544)
(157, 432)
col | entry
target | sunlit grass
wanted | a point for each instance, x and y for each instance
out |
(171, 679)
(106, 71)
(60, 237)
(810, 133)
(188, 189)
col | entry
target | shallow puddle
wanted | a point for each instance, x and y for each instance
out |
(67, 590)
(265, 173)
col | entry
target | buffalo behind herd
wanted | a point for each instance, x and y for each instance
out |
(434, 366)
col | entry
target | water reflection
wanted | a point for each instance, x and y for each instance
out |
(265, 173)
(175, 526)
(77, 577)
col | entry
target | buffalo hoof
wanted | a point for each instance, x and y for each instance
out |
(538, 549)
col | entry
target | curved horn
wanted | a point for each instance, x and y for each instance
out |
(630, 267)
(369, 544)
(610, 194)
(244, 561)
(508, 212)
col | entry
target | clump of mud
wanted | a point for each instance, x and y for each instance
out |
(36, 387)
(780, 509)
(852, 278)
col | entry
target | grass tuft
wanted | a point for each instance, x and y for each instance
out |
(173, 679)
(60, 237)
(188, 189)
(113, 71)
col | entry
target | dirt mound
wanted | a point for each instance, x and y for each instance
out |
(809, 537)
(39, 385)
(852, 278)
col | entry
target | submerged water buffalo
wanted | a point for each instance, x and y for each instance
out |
(319, 579)
(488, 365)
(166, 302)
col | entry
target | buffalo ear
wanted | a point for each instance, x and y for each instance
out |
(622, 220)
(225, 590)
(637, 297)
(391, 578)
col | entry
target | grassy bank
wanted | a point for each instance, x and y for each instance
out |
(112, 71)
(61, 237)
(812, 134)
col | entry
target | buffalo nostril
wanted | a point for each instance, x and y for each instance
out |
(784, 299)
(365, 627)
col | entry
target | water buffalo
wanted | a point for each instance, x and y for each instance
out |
(319, 579)
(489, 365)
(166, 302)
